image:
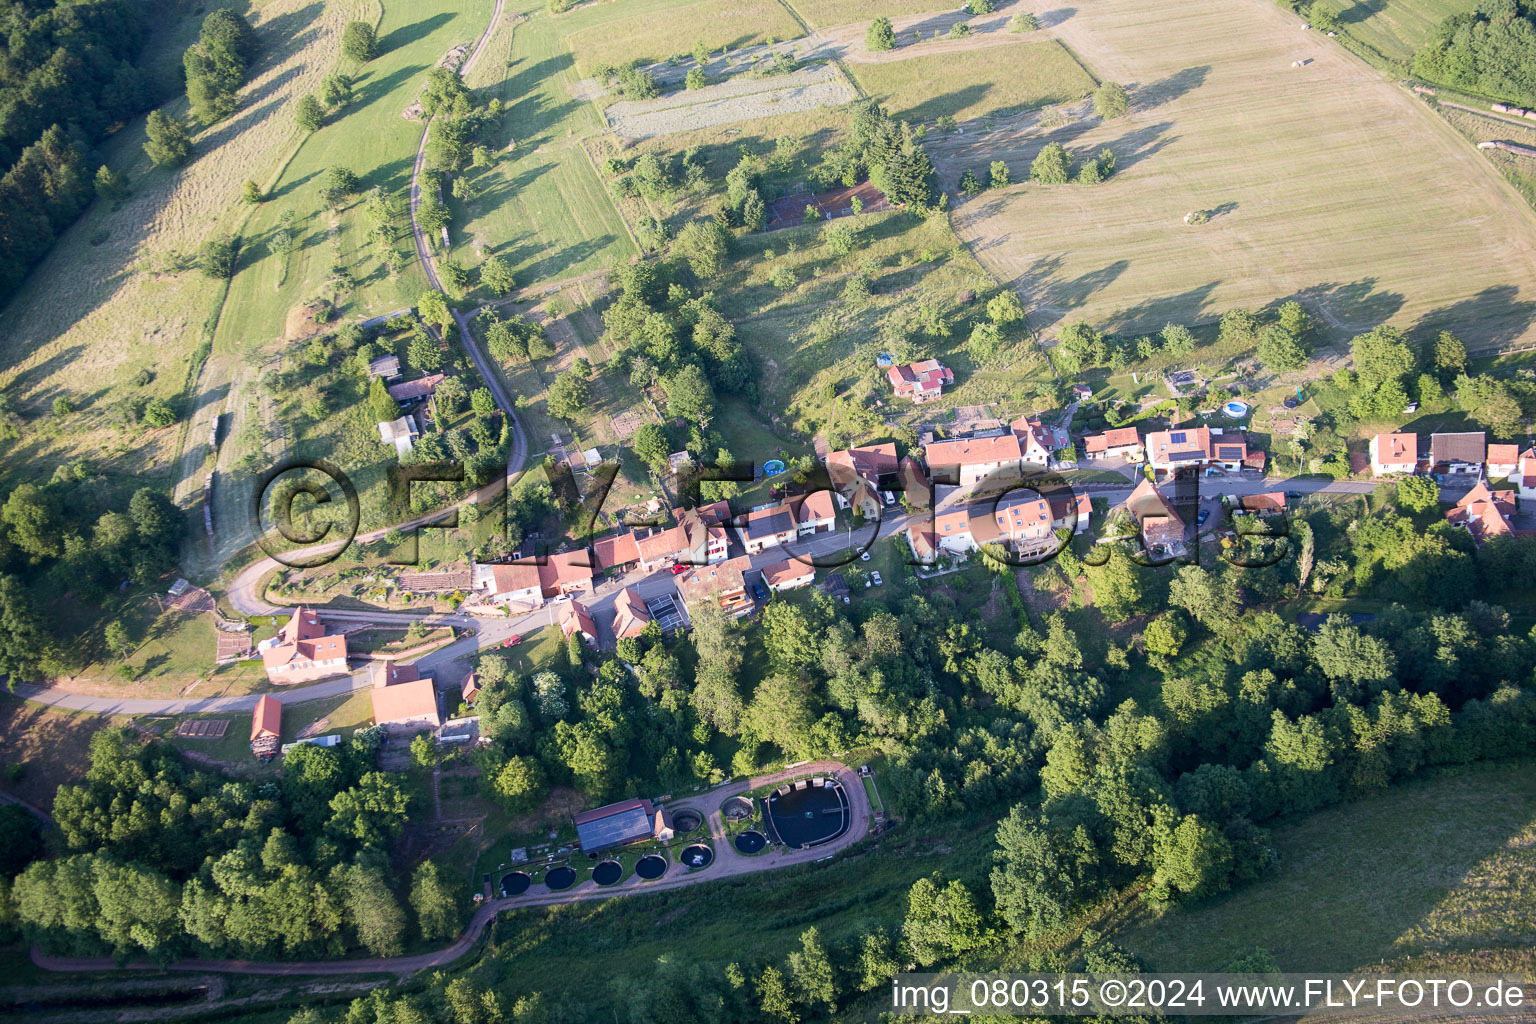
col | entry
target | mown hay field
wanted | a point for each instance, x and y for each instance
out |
(541, 206)
(1433, 866)
(1395, 28)
(114, 299)
(821, 13)
(654, 30)
(985, 81)
(1326, 183)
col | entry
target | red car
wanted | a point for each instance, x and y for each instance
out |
(678, 570)
(513, 640)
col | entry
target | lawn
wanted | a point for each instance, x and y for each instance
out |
(1396, 29)
(52, 747)
(1349, 194)
(988, 81)
(1436, 865)
(660, 29)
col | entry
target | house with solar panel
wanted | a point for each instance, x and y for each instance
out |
(1198, 448)
(629, 821)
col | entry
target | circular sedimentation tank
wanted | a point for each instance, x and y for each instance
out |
(560, 878)
(686, 821)
(698, 856)
(608, 872)
(751, 842)
(651, 866)
(515, 883)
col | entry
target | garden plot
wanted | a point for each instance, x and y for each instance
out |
(1326, 183)
(741, 99)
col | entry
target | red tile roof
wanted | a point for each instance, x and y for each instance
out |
(923, 377)
(1397, 449)
(1484, 512)
(267, 719)
(974, 451)
(611, 552)
(630, 615)
(418, 388)
(407, 702)
(1120, 437)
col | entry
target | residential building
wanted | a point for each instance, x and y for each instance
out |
(401, 433)
(1457, 454)
(1196, 447)
(630, 615)
(790, 574)
(1484, 513)
(621, 552)
(471, 689)
(408, 705)
(969, 460)
(303, 652)
(768, 527)
(1038, 443)
(698, 538)
(856, 473)
(1503, 460)
(1161, 528)
(567, 573)
(1394, 453)
(1023, 521)
(1270, 504)
(412, 390)
(920, 382)
(266, 727)
(514, 583)
(392, 673)
(721, 583)
(1122, 443)
(1525, 476)
(814, 512)
(575, 619)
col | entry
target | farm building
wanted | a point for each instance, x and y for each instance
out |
(629, 821)
(266, 727)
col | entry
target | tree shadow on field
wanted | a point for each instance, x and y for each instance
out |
(571, 256)
(1050, 19)
(1137, 145)
(1354, 307)
(289, 187)
(1494, 316)
(231, 127)
(949, 103)
(405, 35)
(1361, 10)
(1151, 315)
(375, 88)
(1166, 90)
(1059, 295)
(33, 376)
(286, 34)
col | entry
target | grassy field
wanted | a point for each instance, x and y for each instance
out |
(52, 747)
(341, 714)
(655, 30)
(542, 206)
(1431, 866)
(114, 312)
(988, 81)
(1395, 28)
(1327, 184)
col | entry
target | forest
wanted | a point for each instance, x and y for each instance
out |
(1490, 51)
(68, 78)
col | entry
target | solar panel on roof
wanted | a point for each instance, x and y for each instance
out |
(1176, 438)
(1185, 456)
(1230, 453)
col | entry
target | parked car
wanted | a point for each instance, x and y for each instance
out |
(678, 570)
(876, 577)
(863, 556)
(1200, 519)
(760, 592)
(513, 640)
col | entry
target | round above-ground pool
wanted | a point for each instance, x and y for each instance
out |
(697, 856)
(751, 842)
(515, 883)
(560, 878)
(808, 813)
(773, 467)
(1236, 410)
(686, 821)
(651, 866)
(608, 872)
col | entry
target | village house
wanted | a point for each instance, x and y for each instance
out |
(1160, 527)
(1023, 523)
(565, 574)
(1264, 505)
(1038, 443)
(575, 619)
(1457, 454)
(1394, 453)
(402, 700)
(630, 615)
(620, 552)
(1484, 513)
(967, 461)
(471, 689)
(511, 583)
(768, 528)
(303, 651)
(266, 727)
(856, 473)
(920, 382)
(790, 574)
(1196, 447)
(698, 538)
(1503, 460)
(723, 583)
(1524, 478)
(814, 512)
(1122, 443)
(415, 390)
